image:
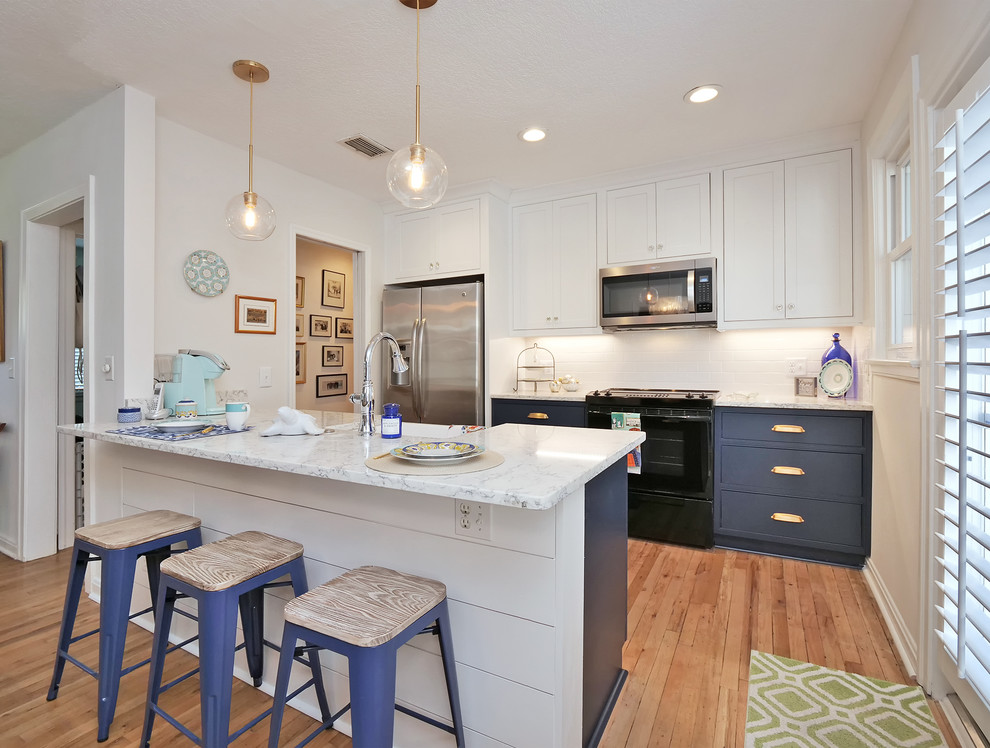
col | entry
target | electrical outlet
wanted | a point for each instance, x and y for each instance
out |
(798, 367)
(473, 520)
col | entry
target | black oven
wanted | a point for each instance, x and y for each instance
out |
(671, 479)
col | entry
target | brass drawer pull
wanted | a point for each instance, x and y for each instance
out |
(538, 416)
(786, 470)
(785, 517)
(787, 428)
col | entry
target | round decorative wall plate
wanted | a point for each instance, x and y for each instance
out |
(835, 378)
(206, 273)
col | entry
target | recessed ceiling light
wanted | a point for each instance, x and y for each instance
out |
(533, 134)
(701, 94)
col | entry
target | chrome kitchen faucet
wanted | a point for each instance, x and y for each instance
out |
(399, 377)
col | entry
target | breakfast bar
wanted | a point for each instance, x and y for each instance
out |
(532, 551)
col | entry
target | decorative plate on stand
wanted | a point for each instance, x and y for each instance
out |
(206, 273)
(836, 377)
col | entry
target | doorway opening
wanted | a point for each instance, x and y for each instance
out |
(51, 345)
(326, 300)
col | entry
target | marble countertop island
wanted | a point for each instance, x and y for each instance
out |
(537, 598)
(542, 464)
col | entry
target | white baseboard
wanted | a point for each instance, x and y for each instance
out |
(9, 548)
(904, 642)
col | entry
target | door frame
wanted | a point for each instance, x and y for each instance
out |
(36, 366)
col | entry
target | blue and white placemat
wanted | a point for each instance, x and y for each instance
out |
(151, 432)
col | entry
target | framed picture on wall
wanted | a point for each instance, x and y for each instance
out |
(345, 328)
(333, 355)
(333, 289)
(300, 290)
(254, 314)
(331, 385)
(319, 326)
(301, 363)
(300, 325)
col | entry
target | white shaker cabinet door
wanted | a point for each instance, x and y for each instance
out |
(684, 217)
(555, 265)
(632, 224)
(413, 251)
(532, 266)
(458, 230)
(818, 235)
(575, 238)
(753, 266)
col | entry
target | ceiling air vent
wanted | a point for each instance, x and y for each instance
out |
(365, 146)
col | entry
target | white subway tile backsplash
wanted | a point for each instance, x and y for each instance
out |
(732, 361)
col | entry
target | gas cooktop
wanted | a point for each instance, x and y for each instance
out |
(659, 394)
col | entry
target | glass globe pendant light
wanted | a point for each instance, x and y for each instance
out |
(250, 216)
(417, 175)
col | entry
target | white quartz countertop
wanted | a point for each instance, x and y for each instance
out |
(747, 400)
(563, 395)
(543, 464)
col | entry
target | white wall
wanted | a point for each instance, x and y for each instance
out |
(746, 361)
(86, 154)
(312, 258)
(196, 177)
(950, 38)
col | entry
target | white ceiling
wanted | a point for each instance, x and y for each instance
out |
(606, 77)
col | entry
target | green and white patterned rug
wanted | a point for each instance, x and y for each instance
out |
(795, 704)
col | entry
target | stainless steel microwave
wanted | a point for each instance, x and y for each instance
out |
(661, 294)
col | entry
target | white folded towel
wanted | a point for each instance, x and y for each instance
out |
(292, 422)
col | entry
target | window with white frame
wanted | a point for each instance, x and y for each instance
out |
(895, 312)
(901, 331)
(961, 407)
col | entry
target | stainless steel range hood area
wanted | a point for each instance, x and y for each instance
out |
(657, 296)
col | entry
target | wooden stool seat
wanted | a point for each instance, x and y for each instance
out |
(222, 577)
(235, 559)
(367, 606)
(136, 529)
(366, 615)
(117, 544)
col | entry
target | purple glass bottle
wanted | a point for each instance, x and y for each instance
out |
(836, 351)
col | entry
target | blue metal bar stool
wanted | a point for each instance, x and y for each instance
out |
(366, 614)
(118, 544)
(221, 577)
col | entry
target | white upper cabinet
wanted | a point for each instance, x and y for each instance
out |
(554, 265)
(660, 220)
(818, 236)
(788, 251)
(435, 242)
(753, 262)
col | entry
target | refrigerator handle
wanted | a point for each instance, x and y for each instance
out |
(420, 370)
(414, 365)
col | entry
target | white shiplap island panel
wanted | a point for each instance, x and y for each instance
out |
(530, 673)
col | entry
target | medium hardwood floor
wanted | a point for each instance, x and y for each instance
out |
(693, 617)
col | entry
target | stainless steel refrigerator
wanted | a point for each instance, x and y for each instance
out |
(440, 330)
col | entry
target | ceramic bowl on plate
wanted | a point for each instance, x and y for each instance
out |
(181, 427)
(430, 452)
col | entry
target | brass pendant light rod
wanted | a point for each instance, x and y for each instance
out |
(252, 72)
(416, 142)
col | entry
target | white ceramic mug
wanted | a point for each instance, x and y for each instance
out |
(237, 415)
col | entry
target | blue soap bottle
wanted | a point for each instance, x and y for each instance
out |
(391, 421)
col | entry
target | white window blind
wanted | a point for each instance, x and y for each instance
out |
(962, 374)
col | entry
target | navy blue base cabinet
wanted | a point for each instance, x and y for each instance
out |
(538, 412)
(794, 482)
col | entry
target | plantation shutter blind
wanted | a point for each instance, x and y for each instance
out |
(962, 389)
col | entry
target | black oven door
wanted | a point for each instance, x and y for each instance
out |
(671, 498)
